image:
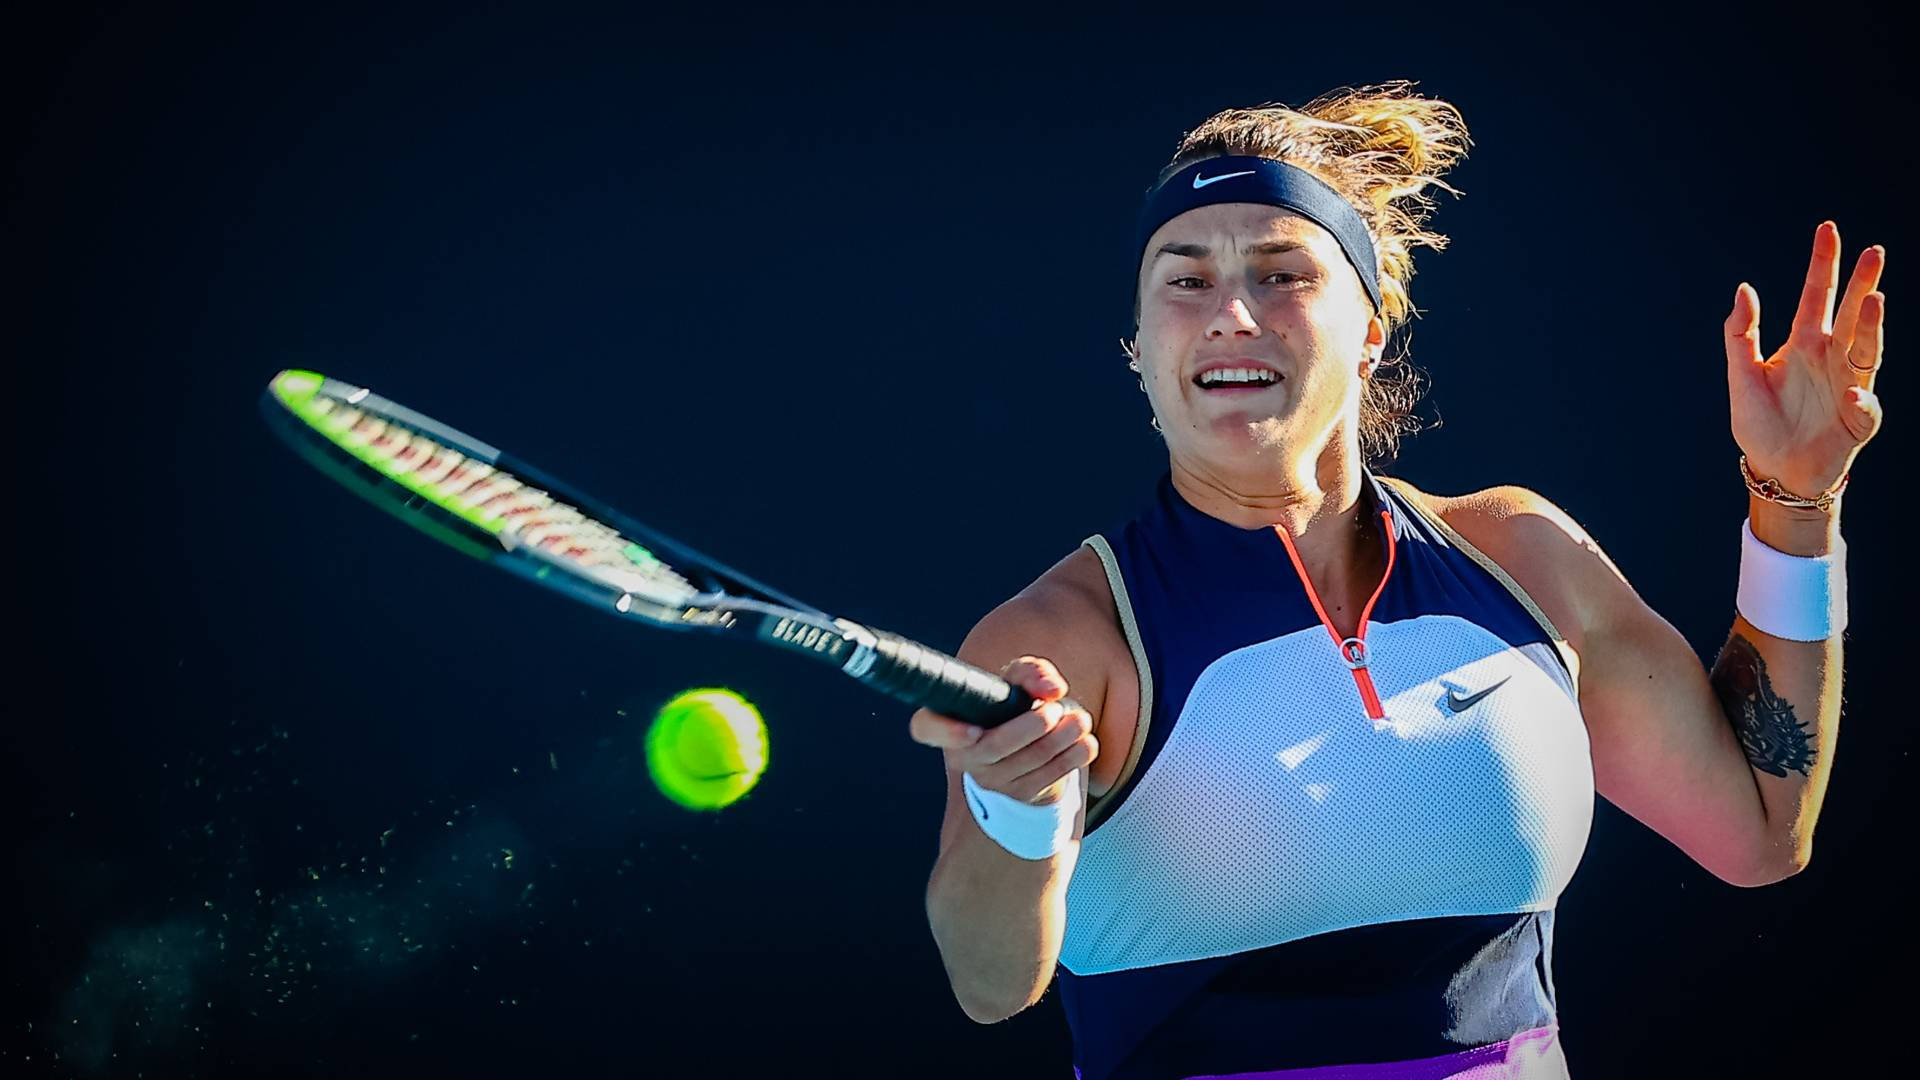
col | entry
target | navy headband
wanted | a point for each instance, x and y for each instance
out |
(1271, 183)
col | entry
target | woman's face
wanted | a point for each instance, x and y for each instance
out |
(1246, 286)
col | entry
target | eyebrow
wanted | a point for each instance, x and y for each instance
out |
(1202, 251)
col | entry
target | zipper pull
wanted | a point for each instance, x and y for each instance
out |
(1354, 651)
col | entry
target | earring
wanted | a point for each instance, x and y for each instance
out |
(1133, 365)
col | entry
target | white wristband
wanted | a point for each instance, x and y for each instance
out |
(1799, 598)
(1029, 831)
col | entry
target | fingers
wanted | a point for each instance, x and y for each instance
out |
(1869, 341)
(1817, 326)
(1866, 418)
(1037, 676)
(1028, 740)
(1866, 278)
(1034, 768)
(1034, 674)
(1066, 744)
(929, 728)
(1028, 754)
(1812, 322)
(1743, 329)
(1032, 786)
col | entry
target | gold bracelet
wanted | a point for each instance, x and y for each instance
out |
(1770, 490)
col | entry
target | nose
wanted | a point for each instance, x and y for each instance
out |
(1234, 318)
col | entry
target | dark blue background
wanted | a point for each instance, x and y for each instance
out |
(838, 302)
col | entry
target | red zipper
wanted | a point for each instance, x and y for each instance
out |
(1354, 649)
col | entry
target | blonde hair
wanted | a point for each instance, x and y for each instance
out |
(1381, 147)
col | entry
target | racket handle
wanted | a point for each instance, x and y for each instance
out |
(930, 679)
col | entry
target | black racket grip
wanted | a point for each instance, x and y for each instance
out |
(930, 679)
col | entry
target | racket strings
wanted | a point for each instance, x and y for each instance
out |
(501, 501)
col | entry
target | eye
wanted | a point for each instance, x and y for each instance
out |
(1201, 283)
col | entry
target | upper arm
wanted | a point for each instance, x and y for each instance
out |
(1048, 619)
(1663, 748)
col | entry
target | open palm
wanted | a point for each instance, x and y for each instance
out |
(1802, 414)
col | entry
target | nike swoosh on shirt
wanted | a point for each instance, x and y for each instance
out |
(1462, 704)
(1199, 183)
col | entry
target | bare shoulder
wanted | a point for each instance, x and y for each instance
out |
(1503, 515)
(1076, 588)
(1538, 544)
(1067, 616)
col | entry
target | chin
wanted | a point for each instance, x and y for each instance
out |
(1271, 433)
(1245, 435)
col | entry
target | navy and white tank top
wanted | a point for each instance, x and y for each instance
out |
(1323, 852)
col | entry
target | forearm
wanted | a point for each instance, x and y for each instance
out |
(1783, 697)
(998, 921)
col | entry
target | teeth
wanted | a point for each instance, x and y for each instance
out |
(1236, 375)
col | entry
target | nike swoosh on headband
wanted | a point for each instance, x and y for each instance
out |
(1462, 704)
(1199, 183)
(978, 805)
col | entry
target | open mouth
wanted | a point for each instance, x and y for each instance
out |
(1238, 381)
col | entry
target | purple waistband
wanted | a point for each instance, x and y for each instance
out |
(1530, 1055)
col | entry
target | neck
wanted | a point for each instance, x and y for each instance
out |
(1317, 500)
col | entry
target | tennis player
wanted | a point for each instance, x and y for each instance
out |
(1340, 738)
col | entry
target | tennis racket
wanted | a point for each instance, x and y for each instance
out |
(487, 504)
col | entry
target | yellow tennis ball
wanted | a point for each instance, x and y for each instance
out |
(706, 748)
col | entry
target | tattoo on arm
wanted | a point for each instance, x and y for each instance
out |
(1773, 739)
